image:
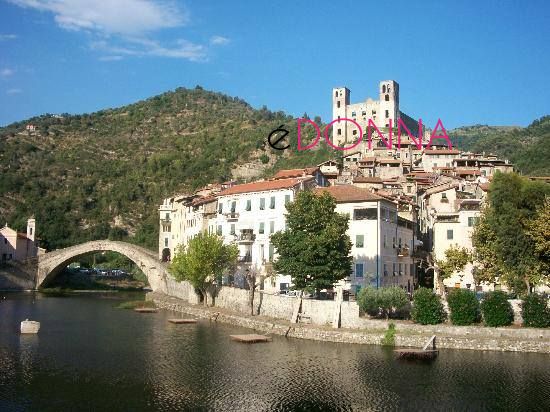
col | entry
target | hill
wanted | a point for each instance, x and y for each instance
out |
(103, 174)
(527, 147)
(99, 175)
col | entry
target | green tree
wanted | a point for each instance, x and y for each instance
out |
(427, 308)
(456, 258)
(503, 240)
(314, 250)
(203, 262)
(538, 230)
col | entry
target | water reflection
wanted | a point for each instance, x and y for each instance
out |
(89, 355)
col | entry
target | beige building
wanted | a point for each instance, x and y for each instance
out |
(19, 246)
(382, 242)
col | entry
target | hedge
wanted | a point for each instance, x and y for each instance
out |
(535, 311)
(427, 308)
(496, 309)
(464, 307)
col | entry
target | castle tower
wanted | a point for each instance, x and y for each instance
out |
(31, 228)
(340, 101)
(389, 103)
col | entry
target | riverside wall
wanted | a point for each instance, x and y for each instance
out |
(272, 313)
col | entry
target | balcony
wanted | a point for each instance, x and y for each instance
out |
(245, 259)
(231, 216)
(403, 251)
(246, 236)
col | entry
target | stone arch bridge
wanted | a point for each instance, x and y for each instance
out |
(52, 263)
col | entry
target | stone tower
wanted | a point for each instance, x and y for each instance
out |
(389, 103)
(31, 228)
(340, 102)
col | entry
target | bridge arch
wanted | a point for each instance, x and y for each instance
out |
(52, 263)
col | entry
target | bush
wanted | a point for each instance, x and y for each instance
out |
(463, 306)
(535, 311)
(389, 336)
(384, 302)
(427, 308)
(496, 309)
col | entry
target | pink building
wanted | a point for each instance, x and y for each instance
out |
(19, 246)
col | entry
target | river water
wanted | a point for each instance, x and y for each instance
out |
(89, 355)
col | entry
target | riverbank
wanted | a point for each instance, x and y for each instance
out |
(512, 339)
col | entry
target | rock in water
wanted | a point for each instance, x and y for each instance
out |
(30, 326)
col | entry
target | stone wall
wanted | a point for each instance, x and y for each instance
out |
(372, 331)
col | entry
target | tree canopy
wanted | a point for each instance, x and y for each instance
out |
(203, 261)
(507, 239)
(315, 248)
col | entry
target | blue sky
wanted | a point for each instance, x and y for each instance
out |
(465, 62)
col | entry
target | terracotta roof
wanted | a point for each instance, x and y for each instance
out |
(288, 173)
(484, 186)
(264, 186)
(441, 151)
(203, 200)
(389, 161)
(22, 235)
(367, 159)
(440, 188)
(349, 193)
(467, 172)
(367, 179)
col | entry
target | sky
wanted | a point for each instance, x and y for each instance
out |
(464, 62)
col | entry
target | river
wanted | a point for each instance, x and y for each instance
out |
(90, 355)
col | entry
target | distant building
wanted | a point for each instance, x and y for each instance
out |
(19, 246)
(30, 128)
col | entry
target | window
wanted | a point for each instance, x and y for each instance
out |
(232, 229)
(262, 229)
(450, 234)
(272, 202)
(338, 104)
(409, 189)
(363, 113)
(472, 221)
(443, 196)
(219, 231)
(271, 227)
(354, 132)
(359, 240)
(248, 205)
(271, 252)
(385, 270)
(339, 132)
(353, 114)
(165, 242)
(383, 88)
(387, 114)
(365, 214)
(393, 266)
(287, 199)
(358, 270)
(400, 269)
(30, 231)
(385, 240)
(262, 253)
(233, 206)
(262, 203)
(167, 216)
(387, 97)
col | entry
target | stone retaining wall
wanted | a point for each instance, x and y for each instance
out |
(452, 337)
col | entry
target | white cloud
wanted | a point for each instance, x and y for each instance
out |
(14, 91)
(110, 58)
(6, 73)
(8, 37)
(128, 17)
(219, 40)
(121, 28)
(142, 47)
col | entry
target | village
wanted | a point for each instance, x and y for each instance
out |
(407, 204)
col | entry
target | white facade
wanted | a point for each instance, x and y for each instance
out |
(249, 214)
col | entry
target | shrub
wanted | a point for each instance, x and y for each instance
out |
(427, 308)
(383, 302)
(463, 306)
(389, 336)
(535, 311)
(496, 309)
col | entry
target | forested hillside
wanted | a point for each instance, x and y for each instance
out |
(103, 174)
(528, 148)
(100, 175)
